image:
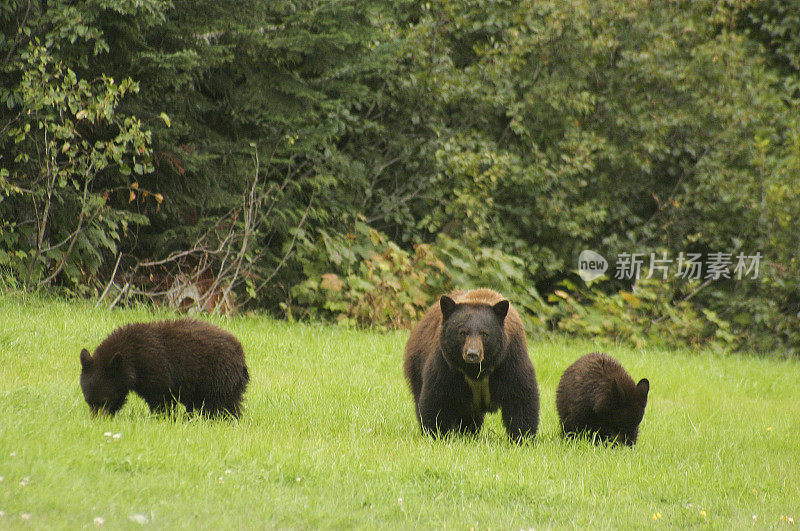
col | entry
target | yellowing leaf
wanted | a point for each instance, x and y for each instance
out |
(563, 294)
(132, 196)
(135, 186)
(159, 197)
(630, 298)
(331, 282)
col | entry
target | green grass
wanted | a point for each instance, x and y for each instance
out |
(328, 439)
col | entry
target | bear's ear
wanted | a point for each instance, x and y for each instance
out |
(602, 401)
(642, 388)
(86, 359)
(115, 365)
(617, 395)
(501, 309)
(616, 392)
(447, 306)
(121, 371)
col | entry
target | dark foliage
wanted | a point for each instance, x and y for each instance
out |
(222, 154)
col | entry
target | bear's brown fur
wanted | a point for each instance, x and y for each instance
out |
(187, 361)
(597, 396)
(468, 356)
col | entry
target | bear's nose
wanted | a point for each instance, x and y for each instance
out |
(472, 355)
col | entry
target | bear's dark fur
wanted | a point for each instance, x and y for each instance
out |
(467, 356)
(597, 396)
(187, 361)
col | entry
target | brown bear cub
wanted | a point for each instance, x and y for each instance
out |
(187, 361)
(597, 396)
(467, 356)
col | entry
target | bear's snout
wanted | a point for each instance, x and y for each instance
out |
(473, 350)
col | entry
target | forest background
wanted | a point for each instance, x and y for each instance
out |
(351, 160)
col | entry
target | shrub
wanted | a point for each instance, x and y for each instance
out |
(364, 278)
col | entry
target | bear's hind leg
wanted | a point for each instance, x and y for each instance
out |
(161, 405)
(233, 409)
(215, 409)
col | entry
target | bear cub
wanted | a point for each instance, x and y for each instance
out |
(187, 361)
(597, 396)
(467, 356)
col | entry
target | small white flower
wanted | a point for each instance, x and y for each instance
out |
(108, 434)
(2, 478)
(24, 481)
(2, 514)
(25, 516)
(298, 479)
(117, 436)
(98, 521)
(138, 519)
(13, 454)
(228, 470)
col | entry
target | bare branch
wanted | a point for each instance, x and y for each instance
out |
(291, 245)
(81, 220)
(113, 274)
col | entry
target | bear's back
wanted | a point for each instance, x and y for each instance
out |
(172, 342)
(193, 339)
(589, 382)
(421, 344)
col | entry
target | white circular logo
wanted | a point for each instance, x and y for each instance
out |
(591, 265)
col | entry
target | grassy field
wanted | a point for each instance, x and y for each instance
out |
(328, 439)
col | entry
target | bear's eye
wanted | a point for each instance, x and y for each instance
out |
(484, 335)
(462, 332)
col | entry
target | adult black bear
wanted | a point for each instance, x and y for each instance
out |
(187, 361)
(467, 356)
(597, 396)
